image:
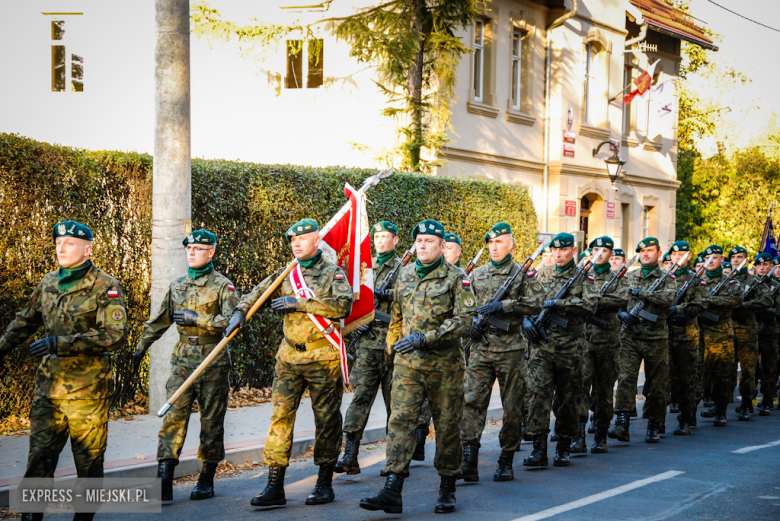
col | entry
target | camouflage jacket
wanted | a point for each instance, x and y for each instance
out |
(768, 322)
(333, 301)
(759, 299)
(89, 321)
(658, 302)
(615, 299)
(441, 306)
(722, 305)
(485, 281)
(689, 307)
(581, 301)
(380, 332)
(213, 298)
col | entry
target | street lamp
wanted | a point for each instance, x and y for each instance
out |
(614, 162)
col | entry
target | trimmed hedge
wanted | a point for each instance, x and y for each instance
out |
(248, 206)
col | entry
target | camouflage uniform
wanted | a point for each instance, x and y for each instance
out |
(306, 359)
(604, 350)
(718, 337)
(372, 368)
(768, 346)
(746, 333)
(651, 344)
(72, 387)
(213, 297)
(555, 365)
(503, 359)
(441, 307)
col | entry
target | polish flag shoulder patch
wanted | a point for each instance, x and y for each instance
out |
(703, 283)
(591, 278)
(732, 282)
(531, 274)
(672, 277)
(231, 287)
(339, 276)
(466, 283)
(112, 293)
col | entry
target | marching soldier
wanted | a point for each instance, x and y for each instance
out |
(200, 304)
(603, 354)
(82, 310)
(555, 364)
(373, 367)
(306, 359)
(718, 337)
(746, 331)
(617, 259)
(547, 258)
(767, 337)
(432, 308)
(666, 262)
(650, 343)
(453, 249)
(727, 268)
(503, 359)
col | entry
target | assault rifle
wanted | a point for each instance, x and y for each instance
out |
(756, 282)
(693, 281)
(714, 293)
(593, 319)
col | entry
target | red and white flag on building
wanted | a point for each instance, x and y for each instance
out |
(642, 82)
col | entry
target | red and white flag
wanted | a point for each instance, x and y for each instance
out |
(642, 83)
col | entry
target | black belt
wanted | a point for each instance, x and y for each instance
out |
(513, 330)
(573, 328)
(200, 340)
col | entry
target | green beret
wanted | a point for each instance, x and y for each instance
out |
(71, 229)
(384, 226)
(546, 248)
(763, 257)
(617, 252)
(302, 227)
(646, 243)
(699, 260)
(429, 227)
(712, 249)
(498, 229)
(585, 253)
(603, 242)
(726, 264)
(681, 246)
(737, 249)
(562, 240)
(451, 237)
(666, 258)
(776, 261)
(200, 237)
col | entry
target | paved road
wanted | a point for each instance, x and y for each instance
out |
(682, 478)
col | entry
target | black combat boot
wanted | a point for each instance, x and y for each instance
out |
(599, 441)
(505, 472)
(674, 408)
(323, 489)
(621, 430)
(273, 494)
(692, 416)
(526, 436)
(662, 428)
(349, 461)
(592, 429)
(446, 502)
(36, 516)
(165, 472)
(579, 445)
(538, 457)
(419, 447)
(684, 427)
(744, 414)
(204, 488)
(653, 432)
(634, 414)
(765, 407)
(708, 402)
(554, 437)
(710, 413)
(389, 498)
(720, 416)
(562, 453)
(470, 471)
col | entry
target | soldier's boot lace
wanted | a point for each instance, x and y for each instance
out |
(419, 447)
(505, 472)
(562, 453)
(446, 502)
(538, 457)
(620, 431)
(165, 470)
(599, 441)
(653, 435)
(469, 472)
(349, 461)
(580, 444)
(323, 489)
(273, 494)
(204, 488)
(389, 498)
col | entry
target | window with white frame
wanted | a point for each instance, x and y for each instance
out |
(517, 39)
(628, 74)
(479, 60)
(304, 64)
(591, 80)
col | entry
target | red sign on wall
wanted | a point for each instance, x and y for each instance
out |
(569, 136)
(610, 210)
(571, 208)
(568, 150)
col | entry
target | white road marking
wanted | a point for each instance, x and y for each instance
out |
(745, 450)
(550, 512)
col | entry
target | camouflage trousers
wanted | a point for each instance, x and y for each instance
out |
(703, 373)
(485, 367)
(719, 357)
(584, 401)
(369, 372)
(444, 391)
(746, 351)
(323, 379)
(655, 354)
(602, 362)
(768, 348)
(425, 415)
(211, 389)
(683, 362)
(557, 372)
(52, 422)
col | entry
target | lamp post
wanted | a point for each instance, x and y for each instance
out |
(614, 162)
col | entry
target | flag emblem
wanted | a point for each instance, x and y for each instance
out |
(112, 293)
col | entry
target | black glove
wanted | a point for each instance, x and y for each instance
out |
(284, 305)
(627, 318)
(550, 304)
(490, 308)
(237, 321)
(409, 343)
(382, 295)
(639, 293)
(475, 333)
(185, 318)
(673, 310)
(44, 346)
(530, 331)
(138, 357)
